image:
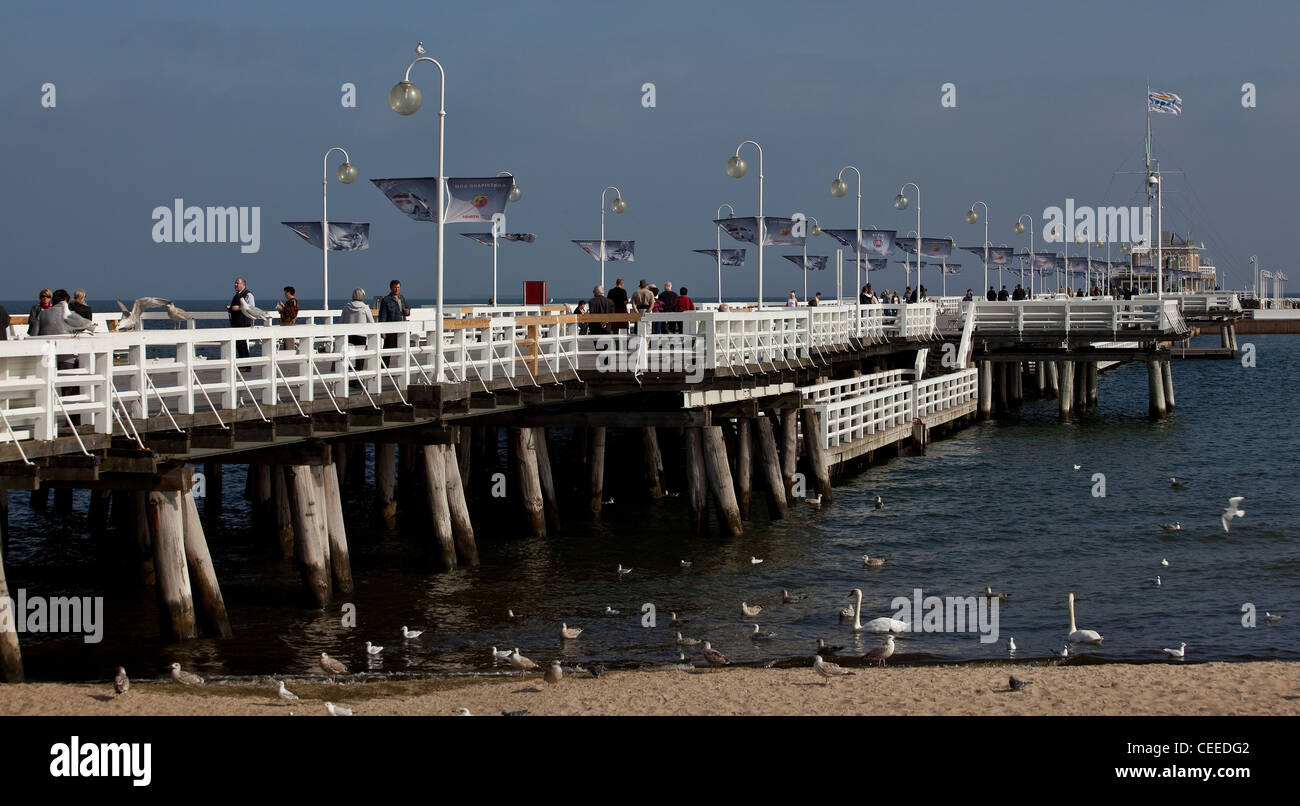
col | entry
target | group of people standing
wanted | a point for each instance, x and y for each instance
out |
(646, 299)
(868, 296)
(56, 313)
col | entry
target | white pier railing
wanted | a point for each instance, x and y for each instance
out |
(887, 400)
(1079, 316)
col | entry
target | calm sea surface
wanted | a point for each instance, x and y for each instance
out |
(996, 504)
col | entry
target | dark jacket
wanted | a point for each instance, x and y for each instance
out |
(1019, 293)
(599, 304)
(393, 309)
(4, 324)
(239, 318)
(1003, 296)
(992, 295)
(618, 296)
(669, 300)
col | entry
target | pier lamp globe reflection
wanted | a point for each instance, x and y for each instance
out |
(839, 187)
(1019, 228)
(737, 167)
(346, 173)
(900, 202)
(405, 98)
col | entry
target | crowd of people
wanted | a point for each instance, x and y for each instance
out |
(646, 299)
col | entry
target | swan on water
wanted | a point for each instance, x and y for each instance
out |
(883, 624)
(1233, 511)
(1078, 636)
(609, 611)
(1179, 653)
(685, 564)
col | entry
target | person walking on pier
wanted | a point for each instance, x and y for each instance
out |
(238, 317)
(288, 308)
(393, 308)
(668, 299)
(793, 301)
(970, 297)
(34, 316)
(812, 303)
(684, 302)
(1019, 293)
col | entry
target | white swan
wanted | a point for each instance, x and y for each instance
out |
(1078, 636)
(1179, 653)
(883, 624)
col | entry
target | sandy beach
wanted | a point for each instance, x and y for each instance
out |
(1260, 688)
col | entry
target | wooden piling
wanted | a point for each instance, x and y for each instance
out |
(815, 453)
(789, 448)
(596, 468)
(986, 389)
(1053, 377)
(550, 499)
(1017, 383)
(719, 477)
(1040, 378)
(97, 512)
(283, 514)
(1092, 385)
(653, 462)
(340, 557)
(212, 479)
(342, 454)
(769, 465)
(141, 536)
(210, 604)
(462, 529)
(744, 466)
(696, 511)
(1167, 377)
(1155, 390)
(386, 481)
(435, 477)
(4, 521)
(309, 544)
(1065, 398)
(528, 480)
(175, 600)
(1000, 375)
(39, 501)
(465, 451)
(11, 657)
(322, 521)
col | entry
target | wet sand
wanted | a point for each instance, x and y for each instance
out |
(1258, 688)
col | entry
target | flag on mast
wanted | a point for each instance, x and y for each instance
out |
(1164, 102)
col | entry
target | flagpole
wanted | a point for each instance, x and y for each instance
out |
(719, 233)
(615, 206)
(736, 169)
(346, 173)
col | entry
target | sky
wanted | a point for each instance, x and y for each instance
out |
(236, 103)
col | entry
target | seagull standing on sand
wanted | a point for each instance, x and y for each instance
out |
(828, 670)
(713, 656)
(1179, 653)
(461, 712)
(185, 678)
(882, 653)
(750, 612)
(411, 633)
(554, 673)
(121, 682)
(337, 710)
(1233, 511)
(373, 650)
(520, 662)
(286, 694)
(332, 666)
(569, 632)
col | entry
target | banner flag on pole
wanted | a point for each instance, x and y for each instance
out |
(470, 199)
(952, 268)
(614, 250)
(345, 236)
(485, 238)
(998, 255)
(936, 248)
(730, 257)
(777, 231)
(1164, 102)
(878, 242)
(814, 262)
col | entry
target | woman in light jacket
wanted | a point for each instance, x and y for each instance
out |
(355, 312)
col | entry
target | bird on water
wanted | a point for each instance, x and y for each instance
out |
(1077, 636)
(713, 656)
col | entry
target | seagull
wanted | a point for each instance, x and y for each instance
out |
(1269, 617)
(685, 564)
(815, 502)
(989, 594)
(337, 710)
(622, 572)
(1078, 467)
(332, 666)
(185, 678)
(502, 654)
(609, 500)
(882, 653)
(787, 598)
(1011, 644)
(1165, 563)
(609, 611)
(1155, 581)
(254, 312)
(1179, 653)
(824, 648)
(880, 502)
(510, 614)
(687, 641)
(554, 673)
(847, 613)
(828, 670)
(872, 562)
(523, 712)
(1018, 685)
(1232, 511)
(754, 561)
(1065, 651)
(1172, 527)
(750, 612)
(520, 662)
(131, 319)
(713, 656)
(461, 712)
(285, 694)
(569, 632)
(411, 633)
(761, 635)
(419, 48)
(1176, 484)
(373, 650)
(178, 315)
(121, 682)
(677, 622)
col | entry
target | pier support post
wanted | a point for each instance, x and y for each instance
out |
(744, 466)
(654, 463)
(435, 478)
(695, 483)
(1080, 386)
(309, 544)
(4, 521)
(1065, 398)
(1040, 378)
(39, 500)
(1017, 384)
(462, 529)
(212, 494)
(283, 514)
(465, 451)
(1092, 385)
(1053, 377)
(207, 592)
(340, 560)
(815, 453)
(550, 497)
(1001, 374)
(719, 474)
(11, 658)
(1167, 377)
(263, 495)
(386, 481)
(341, 453)
(1225, 340)
(529, 481)
(769, 465)
(596, 468)
(141, 535)
(1232, 337)
(986, 389)
(175, 601)
(1155, 390)
(96, 511)
(789, 448)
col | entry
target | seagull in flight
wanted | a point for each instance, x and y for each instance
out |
(131, 319)
(419, 48)
(1233, 510)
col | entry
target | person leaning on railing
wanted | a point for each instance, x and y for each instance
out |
(288, 308)
(393, 308)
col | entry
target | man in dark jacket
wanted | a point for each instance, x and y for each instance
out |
(618, 298)
(242, 299)
(668, 304)
(1003, 296)
(600, 303)
(992, 296)
(1019, 293)
(393, 308)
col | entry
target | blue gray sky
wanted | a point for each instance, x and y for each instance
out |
(235, 104)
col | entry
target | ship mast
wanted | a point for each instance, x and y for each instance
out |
(1153, 181)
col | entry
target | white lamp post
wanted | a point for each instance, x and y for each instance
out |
(515, 195)
(346, 173)
(813, 232)
(1254, 259)
(1020, 230)
(971, 218)
(838, 189)
(732, 214)
(736, 168)
(900, 203)
(405, 98)
(617, 206)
